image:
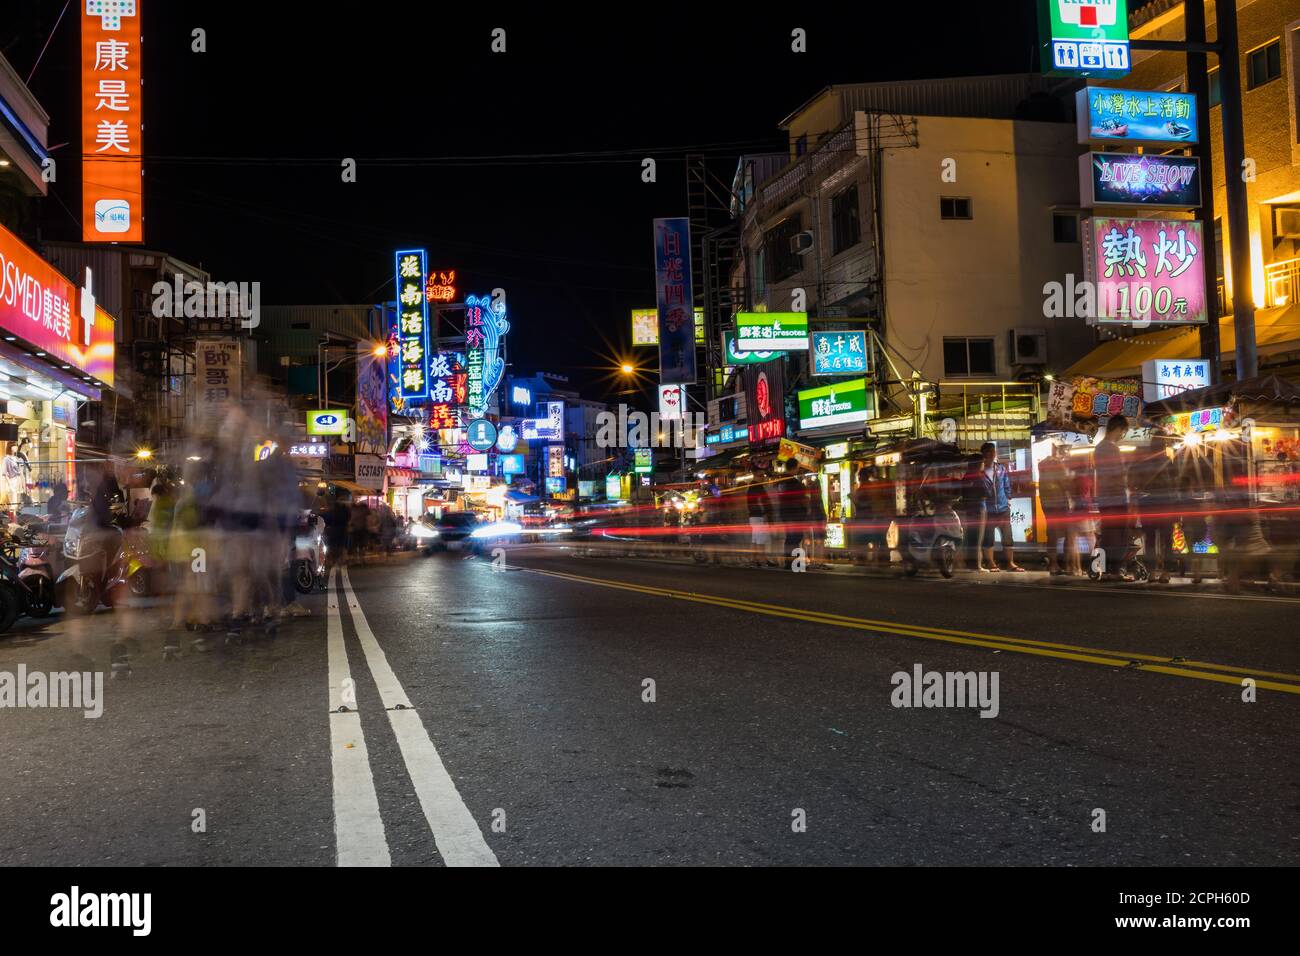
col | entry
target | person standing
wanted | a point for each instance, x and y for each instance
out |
(759, 509)
(817, 520)
(792, 507)
(1054, 495)
(997, 508)
(1112, 496)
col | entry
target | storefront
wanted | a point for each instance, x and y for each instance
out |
(53, 359)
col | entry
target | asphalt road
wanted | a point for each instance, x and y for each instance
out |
(502, 715)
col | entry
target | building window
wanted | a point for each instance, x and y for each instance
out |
(1216, 91)
(969, 358)
(846, 228)
(1065, 227)
(1264, 64)
(801, 145)
(781, 262)
(758, 291)
(954, 207)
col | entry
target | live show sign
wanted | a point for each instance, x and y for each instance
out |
(1130, 179)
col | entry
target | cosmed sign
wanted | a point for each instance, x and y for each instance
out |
(1146, 271)
(111, 122)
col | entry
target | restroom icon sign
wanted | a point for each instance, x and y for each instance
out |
(110, 12)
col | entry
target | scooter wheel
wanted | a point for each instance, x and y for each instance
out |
(304, 579)
(910, 567)
(80, 599)
(41, 602)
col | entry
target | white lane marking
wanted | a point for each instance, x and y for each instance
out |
(455, 832)
(358, 827)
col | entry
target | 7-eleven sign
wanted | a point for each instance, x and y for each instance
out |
(1088, 13)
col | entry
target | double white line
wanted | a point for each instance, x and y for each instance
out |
(358, 827)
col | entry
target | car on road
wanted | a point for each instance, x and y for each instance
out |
(455, 528)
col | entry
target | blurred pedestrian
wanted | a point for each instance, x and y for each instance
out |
(996, 480)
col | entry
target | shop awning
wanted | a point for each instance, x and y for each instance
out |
(1276, 330)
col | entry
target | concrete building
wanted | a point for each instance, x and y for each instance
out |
(932, 212)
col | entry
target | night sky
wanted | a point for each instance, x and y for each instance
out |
(244, 142)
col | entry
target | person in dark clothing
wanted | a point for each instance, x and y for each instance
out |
(107, 492)
(336, 533)
(792, 507)
(56, 508)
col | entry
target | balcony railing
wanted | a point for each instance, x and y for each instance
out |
(1281, 282)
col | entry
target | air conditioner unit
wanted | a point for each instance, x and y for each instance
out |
(1288, 223)
(1028, 347)
(801, 243)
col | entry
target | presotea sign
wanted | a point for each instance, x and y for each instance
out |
(111, 122)
(843, 403)
(771, 331)
(1146, 271)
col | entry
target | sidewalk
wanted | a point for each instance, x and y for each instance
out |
(1043, 579)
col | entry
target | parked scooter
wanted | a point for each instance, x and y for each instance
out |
(308, 558)
(933, 538)
(93, 554)
(36, 569)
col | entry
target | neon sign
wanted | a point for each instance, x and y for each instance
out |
(485, 325)
(412, 325)
(441, 287)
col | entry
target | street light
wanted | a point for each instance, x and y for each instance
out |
(143, 454)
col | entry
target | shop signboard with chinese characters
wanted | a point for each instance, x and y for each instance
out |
(1083, 37)
(645, 326)
(1116, 117)
(485, 328)
(1201, 420)
(733, 355)
(843, 403)
(772, 331)
(44, 308)
(440, 286)
(613, 487)
(112, 122)
(765, 401)
(555, 461)
(219, 379)
(511, 464)
(1165, 378)
(315, 450)
(674, 301)
(1085, 404)
(412, 325)
(550, 428)
(672, 399)
(1132, 179)
(1146, 271)
(481, 434)
(840, 353)
(448, 391)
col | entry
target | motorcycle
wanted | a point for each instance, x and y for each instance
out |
(933, 537)
(93, 556)
(308, 558)
(36, 570)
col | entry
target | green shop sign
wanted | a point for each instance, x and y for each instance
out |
(843, 403)
(1083, 37)
(771, 331)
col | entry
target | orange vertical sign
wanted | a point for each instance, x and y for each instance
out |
(112, 204)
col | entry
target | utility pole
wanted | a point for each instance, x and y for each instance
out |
(1198, 84)
(1234, 158)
